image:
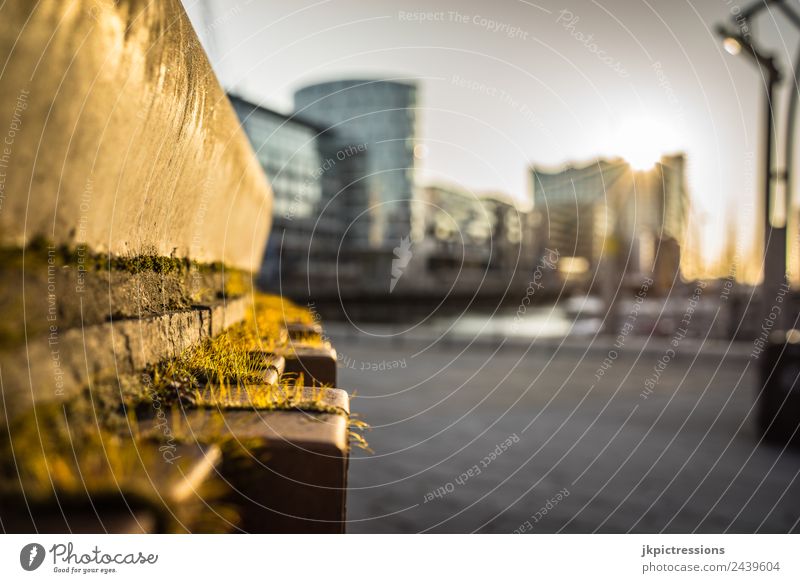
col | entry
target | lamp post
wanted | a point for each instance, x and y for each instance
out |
(778, 397)
(774, 260)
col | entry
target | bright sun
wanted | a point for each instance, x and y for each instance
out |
(642, 141)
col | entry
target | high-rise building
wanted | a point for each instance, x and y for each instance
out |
(512, 237)
(379, 115)
(346, 202)
(289, 150)
(634, 221)
(308, 184)
(458, 231)
(470, 242)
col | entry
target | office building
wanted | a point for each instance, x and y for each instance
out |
(379, 116)
(604, 211)
(309, 184)
(471, 242)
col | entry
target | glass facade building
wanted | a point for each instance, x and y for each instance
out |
(606, 209)
(380, 116)
(289, 152)
(303, 244)
(343, 173)
(474, 240)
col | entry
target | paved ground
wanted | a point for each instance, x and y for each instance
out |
(683, 459)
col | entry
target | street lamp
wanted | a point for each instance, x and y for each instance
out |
(735, 42)
(778, 399)
(731, 45)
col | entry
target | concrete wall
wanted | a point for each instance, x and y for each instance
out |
(114, 132)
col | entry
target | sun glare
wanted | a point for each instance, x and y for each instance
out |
(642, 142)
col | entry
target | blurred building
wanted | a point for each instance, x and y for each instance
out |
(513, 235)
(456, 244)
(380, 115)
(349, 219)
(606, 214)
(309, 184)
(470, 241)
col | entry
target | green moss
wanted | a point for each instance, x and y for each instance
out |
(150, 263)
(76, 459)
(40, 250)
(93, 444)
(214, 373)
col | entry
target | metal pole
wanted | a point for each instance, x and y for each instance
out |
(756, 7)
(791, 115)
(774, 237)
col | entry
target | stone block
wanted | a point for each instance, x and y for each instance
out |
(226, 313)
(317, 363)
(287, 470)
(142, 152)
(297, 331)
(165, 508)
(55, 367)
(274, 365)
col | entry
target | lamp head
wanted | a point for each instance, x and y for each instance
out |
(732, 45)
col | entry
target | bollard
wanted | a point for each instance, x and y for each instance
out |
(778, 401)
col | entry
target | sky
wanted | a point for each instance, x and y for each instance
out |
(513, 83)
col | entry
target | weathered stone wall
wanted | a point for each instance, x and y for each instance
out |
(131, 203)
(132, 215)
(115, 134)
(57, 366)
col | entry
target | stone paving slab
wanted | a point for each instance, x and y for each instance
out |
(685, 458)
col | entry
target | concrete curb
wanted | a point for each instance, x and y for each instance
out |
(688, 348)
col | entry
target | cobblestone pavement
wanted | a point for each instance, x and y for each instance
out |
(496, 440)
